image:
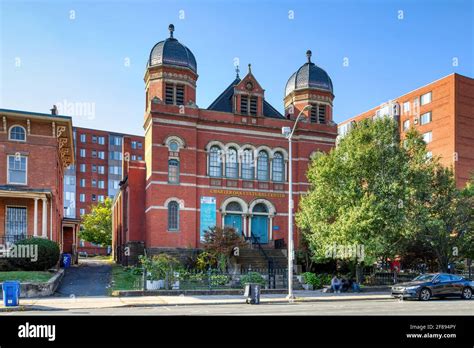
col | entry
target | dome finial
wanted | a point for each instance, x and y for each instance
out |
(171, 29)
(309, 54)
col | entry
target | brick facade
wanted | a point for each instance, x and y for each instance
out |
(451, 123)
(184, 136)
(35, 149)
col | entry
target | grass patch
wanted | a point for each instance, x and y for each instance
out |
(123, 278)
(26, 276)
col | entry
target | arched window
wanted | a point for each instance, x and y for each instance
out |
(262, 166)
(231, 164)
(247, 165)
(215, 165)
(233, 206)
(278, 167)
(173, 216)
(173, 171)
(260, 208)
(17, 133)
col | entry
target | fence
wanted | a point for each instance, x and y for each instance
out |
(214, 279)
(387, 278)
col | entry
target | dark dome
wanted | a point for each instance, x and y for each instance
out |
(172, 52)
(309, 76)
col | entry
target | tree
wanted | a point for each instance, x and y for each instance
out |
(388, 196)
(220, 242)
(357, 194)
(97, 225)
(444, 221)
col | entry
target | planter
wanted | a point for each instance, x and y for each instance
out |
(155, 284)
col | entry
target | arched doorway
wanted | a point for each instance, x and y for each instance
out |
(260, 222)
(233, 216)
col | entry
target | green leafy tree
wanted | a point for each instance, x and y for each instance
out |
(358, 193)
(386, 195)
(444, 221)
(97, 225)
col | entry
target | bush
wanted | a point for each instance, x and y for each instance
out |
(160, 266)
(47, 255)
(252, 277)
(317, 280)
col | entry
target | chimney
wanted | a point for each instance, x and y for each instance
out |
(54, 110)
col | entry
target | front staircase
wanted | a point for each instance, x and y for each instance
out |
(253, 259)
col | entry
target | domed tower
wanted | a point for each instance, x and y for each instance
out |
(310, 85)
(171, 73)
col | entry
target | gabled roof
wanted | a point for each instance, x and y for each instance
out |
(224, 102)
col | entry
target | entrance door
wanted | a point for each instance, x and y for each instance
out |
(260, 228)
(235, 221)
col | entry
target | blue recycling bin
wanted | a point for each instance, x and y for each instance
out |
(66, 260)
(11, 293)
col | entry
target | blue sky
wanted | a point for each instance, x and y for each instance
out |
(47, 57)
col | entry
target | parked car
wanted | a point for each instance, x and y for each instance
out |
(431, 285)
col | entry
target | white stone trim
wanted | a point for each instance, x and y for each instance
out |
(247, 132)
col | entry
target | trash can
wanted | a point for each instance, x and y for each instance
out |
(11, 293)
(66, 260)
(252, 293)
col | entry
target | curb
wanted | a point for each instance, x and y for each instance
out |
(45, 289)
(208, 303)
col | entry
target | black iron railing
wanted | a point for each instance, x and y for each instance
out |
(271, 274)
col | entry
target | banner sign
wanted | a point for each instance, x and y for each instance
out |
(208, 214)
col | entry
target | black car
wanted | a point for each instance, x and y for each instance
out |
(426, 286)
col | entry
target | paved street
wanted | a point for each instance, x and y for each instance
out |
(356, 307)
(89, 278)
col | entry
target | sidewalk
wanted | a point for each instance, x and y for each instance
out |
(65, 303)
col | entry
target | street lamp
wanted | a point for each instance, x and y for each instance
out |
(288, 133)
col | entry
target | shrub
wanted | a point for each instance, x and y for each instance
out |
(252, 277)
(206, 260)
(159, 266)
(47, 255)
(317, 280)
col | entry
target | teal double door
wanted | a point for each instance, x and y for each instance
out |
(235, 221)
(259, 225)
(260, 228)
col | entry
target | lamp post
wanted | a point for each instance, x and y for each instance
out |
(288, 133)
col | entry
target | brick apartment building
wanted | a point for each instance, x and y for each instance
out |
(97, 173)
(443, 112)
(224, 165)
(35, 150)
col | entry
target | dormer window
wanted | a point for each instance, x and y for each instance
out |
(248, 105)
(174, 94)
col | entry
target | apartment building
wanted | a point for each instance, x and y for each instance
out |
(443, 112)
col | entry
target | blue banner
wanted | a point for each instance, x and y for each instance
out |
(208, 214)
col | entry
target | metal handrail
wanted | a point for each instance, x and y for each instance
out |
(255, 240)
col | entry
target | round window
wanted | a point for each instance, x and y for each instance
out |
(174, 146)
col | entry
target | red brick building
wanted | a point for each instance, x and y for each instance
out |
(97, 173)
(35, 150)
(224, 165)
(443, 112)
